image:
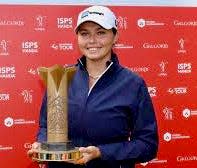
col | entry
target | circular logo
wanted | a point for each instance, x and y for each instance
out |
(167, 137)
(8, 122)
(141, 23)
(186, 113)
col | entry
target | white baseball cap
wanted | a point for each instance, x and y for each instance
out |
(98, 14)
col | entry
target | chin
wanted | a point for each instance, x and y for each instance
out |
(93, 56)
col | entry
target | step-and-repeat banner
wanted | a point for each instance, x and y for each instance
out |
(159, 43)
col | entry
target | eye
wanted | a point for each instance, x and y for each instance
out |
(84, 34)
(101, 32)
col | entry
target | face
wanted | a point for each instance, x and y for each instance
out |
(95, 42)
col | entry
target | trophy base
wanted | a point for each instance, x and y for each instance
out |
(56, 152)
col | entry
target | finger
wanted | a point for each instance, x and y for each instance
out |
(42, 165)
(81, 161)
(86, 150)
(35, 145)
(29, 153)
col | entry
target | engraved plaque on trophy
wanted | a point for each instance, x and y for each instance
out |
(58, 147)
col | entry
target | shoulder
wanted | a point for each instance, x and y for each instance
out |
(130, 75)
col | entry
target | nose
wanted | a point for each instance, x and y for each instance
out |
(92, 38)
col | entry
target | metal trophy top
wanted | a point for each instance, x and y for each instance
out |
(57, 79)
(58, 147)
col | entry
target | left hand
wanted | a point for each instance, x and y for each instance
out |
(88, 153)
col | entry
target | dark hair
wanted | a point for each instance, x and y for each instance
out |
(114, 31)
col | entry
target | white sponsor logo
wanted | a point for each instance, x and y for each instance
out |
(181, 46)
(142, 23)
(168, 114)
(33, 71)
(185, 23)
(162, 66)
(40, 23)
(187, 113)
(168, 136)
(5, 148)
(122, 46)
(12, 23)
(7, 72)
(178, 90)
(27, 96)
(122, 22)
(64, 22)
(186, 158)
(9, 122)
(152, 91)
(30, 47)
(139, 69)
(154, 161)
(62, 46)
(27, 145)
(4, 48)
(155, 45)
(184, 68)
(144, 164)
(4, 97)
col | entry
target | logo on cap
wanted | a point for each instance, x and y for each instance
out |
(86, 13)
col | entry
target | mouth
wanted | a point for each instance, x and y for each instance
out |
(93, 49)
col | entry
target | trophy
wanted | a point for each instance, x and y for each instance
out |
(58, 147)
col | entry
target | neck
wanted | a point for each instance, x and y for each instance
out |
(96, 68)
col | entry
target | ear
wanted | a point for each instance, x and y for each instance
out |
(116, 37)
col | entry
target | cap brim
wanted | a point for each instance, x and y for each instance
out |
(101, 23)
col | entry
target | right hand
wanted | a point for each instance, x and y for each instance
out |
(35, 146)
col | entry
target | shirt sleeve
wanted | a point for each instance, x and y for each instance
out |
(42, 131)
(143, 143)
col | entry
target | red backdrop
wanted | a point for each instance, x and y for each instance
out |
(159, 43)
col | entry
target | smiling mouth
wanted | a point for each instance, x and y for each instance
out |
(94, 49)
